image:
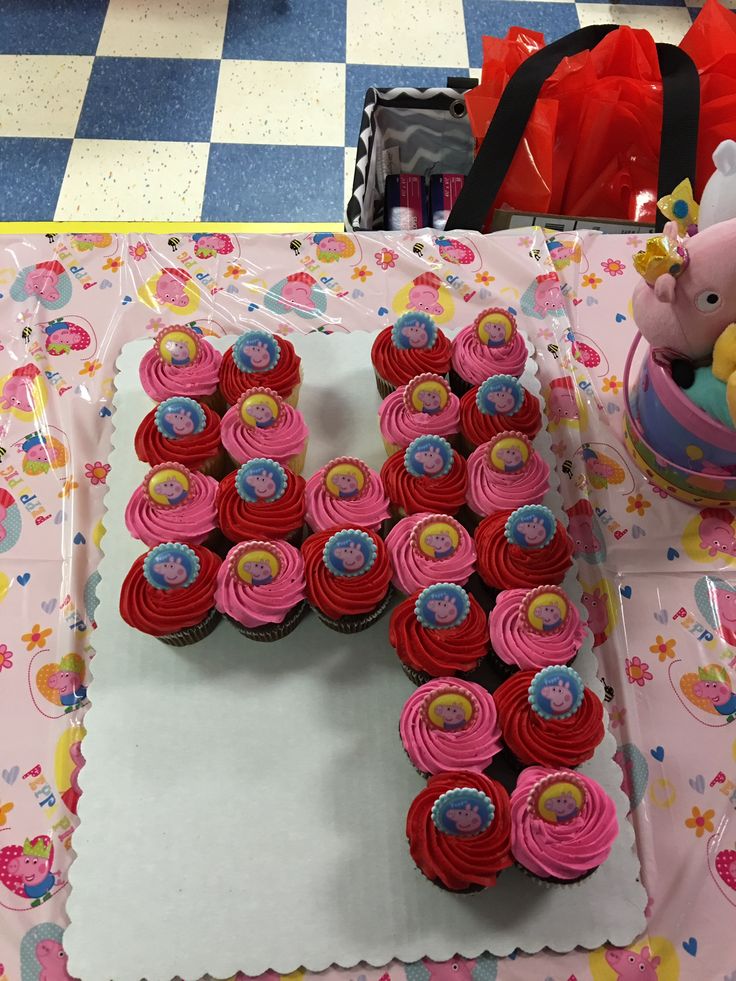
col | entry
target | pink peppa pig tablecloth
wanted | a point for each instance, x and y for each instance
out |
(655, 572)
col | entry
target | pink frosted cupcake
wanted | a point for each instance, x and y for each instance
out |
(429, 548)
(262, 424)
(181, 362)
(173, 504)
(346, 492)
(535, 629)
(422, 407)
(505, 473)
(261, 590)
(447, 724)
(491, 345)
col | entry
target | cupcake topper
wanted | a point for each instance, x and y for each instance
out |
(451, 708)
(508, 452)
(426, 394)
(261, 480)
(500, 395)
(255, 563)
(255, 351)
(442, 606)
(349, 552)
(346, 478)
(414, 331)
(557, 798)
(168, 484)
(177, 345)
(495, 327)
(261, 408)
(171, 566)
(428, 456)
(437, 537)
(556, 692)
(544, 610)
(531, 527)
(463, 812)
(178, 417)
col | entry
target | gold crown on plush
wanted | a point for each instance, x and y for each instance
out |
(661, 255)
(42, 849)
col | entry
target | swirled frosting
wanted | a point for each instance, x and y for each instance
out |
(369, 510)
(478, 427)
(438, 653)
(282, 378)
(398, 366)
(189, 522)
(490, 491)
(475, 361)
(526, 649)
(339, 596)
(162, 380)
(241, 520)
(400, 425)
(504, 565)
(255, 606)
(412, 570)
(280, 442)
(193, 451)
(434, 494)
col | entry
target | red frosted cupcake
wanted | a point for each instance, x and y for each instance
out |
(259, 359)
(181, 430)
(500, 404)
(491, 345)
(523, 548)
(550, 717)
(181, 362)
(438, 632)
(262, 500)
(414, 345)
(348, 577)
(459, 831)
(173, 504)
(429, 476)
(169, 593)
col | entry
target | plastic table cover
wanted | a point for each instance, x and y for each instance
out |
(655, 572)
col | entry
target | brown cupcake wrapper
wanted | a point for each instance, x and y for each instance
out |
(458, 383)
(384, 387)
(183, 638)
(553, 881)
(216, 401)
(356, 622)
(217, 466)
(272, 631)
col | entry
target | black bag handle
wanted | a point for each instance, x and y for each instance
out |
(678, 145)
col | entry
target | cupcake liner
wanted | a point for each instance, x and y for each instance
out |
(292, 398)
(217, 466)
(458, 383)
(390, 447)
(500, 666)
(216, 401)
(551, 881)
(474, 887)
(296, 463)
(356, 622)
(183, 638)
(416, 677)
(384, 387)
(272, 631)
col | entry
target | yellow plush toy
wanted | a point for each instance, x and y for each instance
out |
(724, 365)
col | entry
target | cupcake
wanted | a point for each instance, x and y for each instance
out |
(563, 824)
(423, 407)
(534, 629)
(523, 548)
(428, 476)
(504, 473)
(450, 725)
(180, 430)
(181, 362)
(169, 593)
(438, 632)
(414, 345)
(261, 499)
(348, 577)
(429, 548)
(500, 405)
(258, 359)
(549, 717)
(459, 831)
(262, 424)
(346, 492)
(173, 504)
(491, 345)
(260, 589)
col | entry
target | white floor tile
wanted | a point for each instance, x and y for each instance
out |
(407, 32)
(664, 23)
(350, 152)
(164, 29)
(280, 102)
(133, 181)
(42, 95)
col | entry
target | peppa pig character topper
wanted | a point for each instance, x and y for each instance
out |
(177, 346)
(256, 564)
(178, 417)
(261, 408)
(428, 456)
(495, 327)
(346, 478)
(168, 484)
(437, 537)
(463, 812)
(544, 610)
(508, 452)
(532, 526)
(556, 692)
(500, 395)
(255, 351)
(349, 552)
(557, 798)
(452, 709)
(414, 331)
(426, 394)
(261, 481)
(442, 606)
(171, 566)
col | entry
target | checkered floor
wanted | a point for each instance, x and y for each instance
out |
(246, 110)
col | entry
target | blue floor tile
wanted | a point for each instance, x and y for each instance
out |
(359, 78)
(150, 99)
(273, 183)
(277, 30)
(51, 26)
(31, 172)
(481, 17)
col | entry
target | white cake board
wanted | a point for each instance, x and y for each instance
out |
(244, 804)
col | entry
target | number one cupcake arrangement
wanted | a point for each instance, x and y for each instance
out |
(455, 522)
